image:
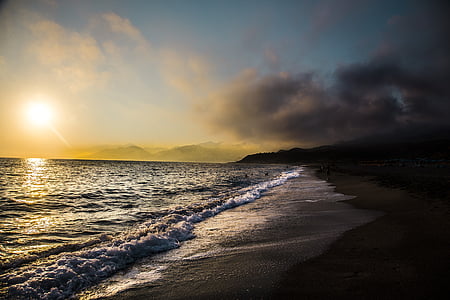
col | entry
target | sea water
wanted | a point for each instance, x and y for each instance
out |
(95, 228)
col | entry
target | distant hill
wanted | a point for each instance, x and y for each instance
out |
(131, 152)
(200, 153)
(435, 149)
(205, 152)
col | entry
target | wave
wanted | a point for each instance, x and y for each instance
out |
(69, 272)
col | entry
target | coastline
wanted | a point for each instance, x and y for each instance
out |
(297, 221)
(401, 255)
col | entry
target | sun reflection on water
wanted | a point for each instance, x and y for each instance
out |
(35, 186)
(35, 183)
(37, 224)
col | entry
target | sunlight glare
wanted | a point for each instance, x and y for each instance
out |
(39, 113)
(35, 183)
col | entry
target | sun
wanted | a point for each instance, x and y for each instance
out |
(39, 113)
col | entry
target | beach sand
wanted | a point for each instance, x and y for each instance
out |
(404, 254)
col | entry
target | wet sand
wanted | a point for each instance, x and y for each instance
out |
(248, 262)
(404, 254)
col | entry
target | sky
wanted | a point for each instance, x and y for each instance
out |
(273, 74)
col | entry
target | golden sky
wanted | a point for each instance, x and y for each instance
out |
(104, 81)
(258, 74)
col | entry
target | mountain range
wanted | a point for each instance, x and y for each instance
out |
(204, 152)
(425, 149)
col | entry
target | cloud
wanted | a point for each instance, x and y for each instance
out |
(400, 89)
(418, 95)
(54, 44)
(366, 99)
(109, 49)
(123, 26)
(188, 73)
(274, 107)
(74, 58)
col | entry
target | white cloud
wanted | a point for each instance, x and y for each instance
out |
(74, 58)
(123, 26)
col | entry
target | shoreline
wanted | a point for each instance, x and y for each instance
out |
(401, 255)
(294, 226)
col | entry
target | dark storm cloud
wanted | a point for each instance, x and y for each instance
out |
(405, 84)
(412, 95)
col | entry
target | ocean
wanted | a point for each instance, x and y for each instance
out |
(96, 229)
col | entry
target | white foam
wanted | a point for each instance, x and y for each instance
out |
(130, 279)
(73, 271)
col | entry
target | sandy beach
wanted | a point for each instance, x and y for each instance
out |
(255, 244)
(404, 254)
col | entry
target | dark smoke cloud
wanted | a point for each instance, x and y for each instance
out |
(405, 84)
